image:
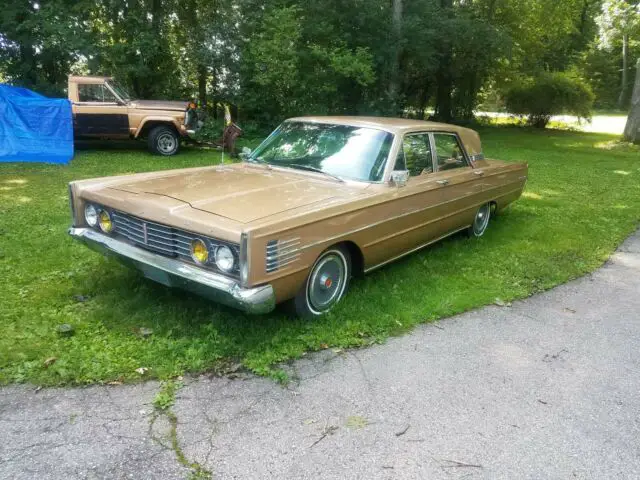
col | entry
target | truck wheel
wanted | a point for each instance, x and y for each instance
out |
(326, 284)
(164, 141)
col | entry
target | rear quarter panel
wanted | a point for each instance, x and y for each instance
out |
(502, 182)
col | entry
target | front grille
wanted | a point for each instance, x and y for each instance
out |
(162, 239)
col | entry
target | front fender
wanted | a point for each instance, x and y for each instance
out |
(180, 128)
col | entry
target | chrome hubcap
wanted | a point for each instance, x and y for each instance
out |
(167, 143)
(482, 220)
(326, 283)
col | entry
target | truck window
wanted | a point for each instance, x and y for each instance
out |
(92, 92)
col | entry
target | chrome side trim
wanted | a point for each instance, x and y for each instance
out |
(244, 258)
(380, 222)
(420, 225)
(176, 273)
(72, 205)
(367, 270)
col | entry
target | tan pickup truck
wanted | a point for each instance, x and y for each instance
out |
(103, 109)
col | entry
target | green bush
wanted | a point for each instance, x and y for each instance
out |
(549, 94)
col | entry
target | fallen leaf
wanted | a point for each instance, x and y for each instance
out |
(146, 332)
(357, 422)
(65, 329)
(50, 361)
(324, 346)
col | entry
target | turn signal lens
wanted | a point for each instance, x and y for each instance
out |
(104, 219)
(91, 215)
(199, 251)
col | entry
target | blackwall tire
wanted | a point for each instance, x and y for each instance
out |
(164, 141)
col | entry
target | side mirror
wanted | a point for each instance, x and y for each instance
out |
(244, 154)
(399, 178)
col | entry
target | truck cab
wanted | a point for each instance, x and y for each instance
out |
(103, 109)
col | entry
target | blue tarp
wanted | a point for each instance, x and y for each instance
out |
(34, 128)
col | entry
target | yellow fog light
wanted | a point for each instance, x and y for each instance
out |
(199, 251)
(104, 220)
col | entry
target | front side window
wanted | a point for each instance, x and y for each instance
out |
(415, 155)
(348, 152)
(120, 90)
(94, 92)
(449, 152)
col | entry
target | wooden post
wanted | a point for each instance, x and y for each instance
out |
(632, 129)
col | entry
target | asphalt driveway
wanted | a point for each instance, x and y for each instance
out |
(546, 388)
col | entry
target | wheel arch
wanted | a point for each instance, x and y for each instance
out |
(356, 256)
(149, 123)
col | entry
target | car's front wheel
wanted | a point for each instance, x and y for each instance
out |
(164, 141)
(326, 284)
(481, 221)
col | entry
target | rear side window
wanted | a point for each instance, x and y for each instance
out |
(415, 155)
(449, 152)
(95, 93)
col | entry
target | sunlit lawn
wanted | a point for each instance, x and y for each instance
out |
(582, 200)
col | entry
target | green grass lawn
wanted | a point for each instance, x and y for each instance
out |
(582, 200)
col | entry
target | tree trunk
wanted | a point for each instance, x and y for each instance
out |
(202, 86)
(394, 81)
(444, 80)
(632, 129)
(625, 68)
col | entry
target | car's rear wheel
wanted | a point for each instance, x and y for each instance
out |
(164, 141)
(481, 221)
(326, 284)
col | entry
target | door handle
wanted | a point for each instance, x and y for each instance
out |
(443, 182)
(478, 172)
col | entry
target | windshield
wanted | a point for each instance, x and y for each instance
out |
(342, 151)
(120, 91)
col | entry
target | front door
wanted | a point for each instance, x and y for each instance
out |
(98, 113)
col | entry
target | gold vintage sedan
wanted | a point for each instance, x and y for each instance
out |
(321, 200)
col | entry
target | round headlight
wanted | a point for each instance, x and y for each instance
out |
(199, 251)
(104, 220)
(91, 215)
(224, 258)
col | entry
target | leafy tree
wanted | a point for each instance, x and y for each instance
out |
(620, 19)
(39, 42)
(549, 94)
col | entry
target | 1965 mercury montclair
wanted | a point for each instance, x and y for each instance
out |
(321, 200)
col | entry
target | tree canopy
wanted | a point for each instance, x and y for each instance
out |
(276, 58)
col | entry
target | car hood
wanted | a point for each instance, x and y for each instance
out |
(159, 105)
(244, 193)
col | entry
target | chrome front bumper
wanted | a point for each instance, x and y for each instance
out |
(174, 273)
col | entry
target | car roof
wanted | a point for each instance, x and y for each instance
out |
(469, 137)
(93, 79)
(394, 125)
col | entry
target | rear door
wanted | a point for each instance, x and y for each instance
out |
(459, 183)
(98, 113)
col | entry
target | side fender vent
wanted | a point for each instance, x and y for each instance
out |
(281, 253)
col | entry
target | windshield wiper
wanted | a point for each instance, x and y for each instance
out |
(314, 169)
